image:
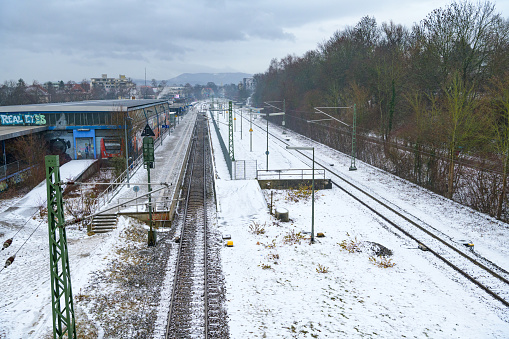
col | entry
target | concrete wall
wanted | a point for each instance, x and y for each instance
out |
(320, 184)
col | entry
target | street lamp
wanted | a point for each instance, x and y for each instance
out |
(312, 188)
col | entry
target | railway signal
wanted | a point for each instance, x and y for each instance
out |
(148, 161)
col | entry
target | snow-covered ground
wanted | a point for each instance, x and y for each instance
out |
(25, 308)
(278, 287)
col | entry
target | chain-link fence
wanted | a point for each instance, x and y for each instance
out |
(244, 169)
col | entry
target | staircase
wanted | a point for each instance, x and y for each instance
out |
(103, 223)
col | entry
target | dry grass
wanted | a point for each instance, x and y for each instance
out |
(351, 246)
(382, 262)
(302, 192)
(322, 269)
(123, 297)
(257, 228)
(292, 238)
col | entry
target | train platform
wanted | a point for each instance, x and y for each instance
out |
(170, 153)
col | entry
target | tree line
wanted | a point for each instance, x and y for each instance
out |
(21, 93)
(432, 101)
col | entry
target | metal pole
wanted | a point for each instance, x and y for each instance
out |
(241, 123)
(5, 157)
(151, 235)
(284, 111)
(313, 201)
(250, 131)
(354, 127)
(267, 152)
(158, 126)
(126, 152)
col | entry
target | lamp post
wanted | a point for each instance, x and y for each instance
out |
(312, 188)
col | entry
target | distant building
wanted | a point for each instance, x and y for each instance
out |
(123, 85)
(176, 92)
(248, 84)
(39, 92)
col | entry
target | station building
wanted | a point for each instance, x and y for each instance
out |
(87, 129)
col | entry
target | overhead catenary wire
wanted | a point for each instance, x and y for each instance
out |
(22, 227)
(26, 240)
(398, 145)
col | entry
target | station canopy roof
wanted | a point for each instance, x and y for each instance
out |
(9, 132)
(83, 106)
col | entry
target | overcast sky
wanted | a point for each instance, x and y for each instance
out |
(55, 40)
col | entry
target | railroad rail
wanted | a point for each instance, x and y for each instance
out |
(485, 274)
(196, 309)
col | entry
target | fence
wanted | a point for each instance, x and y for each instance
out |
(112, 190)
(13, 173)
(244, 169)
(226, 154)
(9, 169)
(285, 174)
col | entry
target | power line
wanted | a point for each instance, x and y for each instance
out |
(15, 253)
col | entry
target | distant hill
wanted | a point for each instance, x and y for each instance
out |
(202, 79)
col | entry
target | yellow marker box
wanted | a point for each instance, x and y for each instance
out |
(229, 243)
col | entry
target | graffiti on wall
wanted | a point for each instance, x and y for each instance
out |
(22, 119)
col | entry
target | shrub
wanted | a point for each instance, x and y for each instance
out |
(351, 246)
(302, 192)
(271, 245)
(383, 262)
(265, 266)
(293, 238)
(257, 228)
(322, 269)
(273, 256)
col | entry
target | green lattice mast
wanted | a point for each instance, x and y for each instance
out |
(230, 132)
(61, 291)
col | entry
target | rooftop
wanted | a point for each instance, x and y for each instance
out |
(82, 106)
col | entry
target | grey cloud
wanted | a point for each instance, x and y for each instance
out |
(128, 25)
(200, 33)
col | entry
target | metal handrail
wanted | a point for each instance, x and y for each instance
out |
(111, 191)
(286, 173)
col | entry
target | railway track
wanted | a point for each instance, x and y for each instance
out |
(480, 271)
(196, 309)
